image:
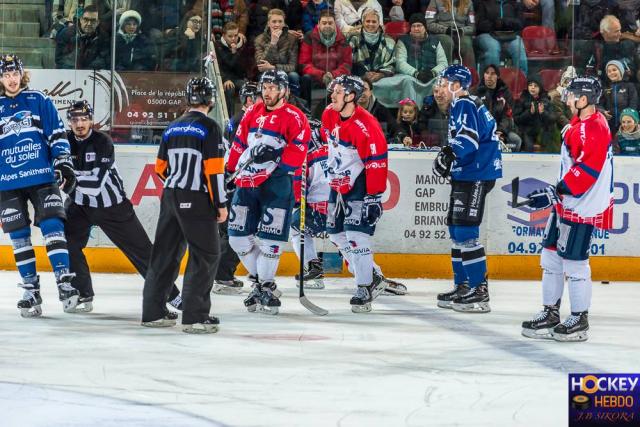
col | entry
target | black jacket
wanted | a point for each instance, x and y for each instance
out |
(137, 55)
(434, 123)
(491, 17)
(75, 50)
(498, 101)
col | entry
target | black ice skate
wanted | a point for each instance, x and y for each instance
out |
(393, 288)
(313, 275)
(574, 328)
(252, 300)
(268, 302)
(208, 326)
(445, 300)
(377, 286)
(30, 304)
(227, 287)
(67, 293)
(541, 326)
(361, 300)
(167, 321)
(474, 301)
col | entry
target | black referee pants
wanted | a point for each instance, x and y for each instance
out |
(187, 219)
(121, 225)
(229, 259)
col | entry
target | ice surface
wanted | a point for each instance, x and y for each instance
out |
(407, 363)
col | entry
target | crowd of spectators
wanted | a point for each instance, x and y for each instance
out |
(315, 41)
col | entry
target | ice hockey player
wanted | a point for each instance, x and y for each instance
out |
(581, 200)
(358, 177)
(99, 200)
(191, 163)
(270, 144)
(472, 160)
(35, 166)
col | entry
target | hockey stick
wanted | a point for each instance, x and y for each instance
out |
(239, 170)
(515, 188)
(303, 204)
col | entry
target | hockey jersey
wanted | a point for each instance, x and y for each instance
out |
(355, 145)
(317, 195)
(31, 135)
(586, 171)
(472, 135)
(285, 128)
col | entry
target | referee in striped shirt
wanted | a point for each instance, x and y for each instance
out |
(191, 164)
(99, 200)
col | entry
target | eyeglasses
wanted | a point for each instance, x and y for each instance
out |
(89, 20)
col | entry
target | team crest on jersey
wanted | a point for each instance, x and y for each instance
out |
(20, 120)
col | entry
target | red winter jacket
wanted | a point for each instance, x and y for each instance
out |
(316, 59)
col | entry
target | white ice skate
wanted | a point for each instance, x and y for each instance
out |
(167, 321)
(85, 305)
(209, 326)
(67, 294)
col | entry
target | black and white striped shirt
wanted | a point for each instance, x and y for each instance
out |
(99, 184)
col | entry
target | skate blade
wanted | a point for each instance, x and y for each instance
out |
(252, 308)
(226, 290)
(445, 304)
(160, 323)
(199, 328)
(395, 290)
(366, 308)
(35, 311)
(477, 307)
(263, 309)
(312, 284)
(538, 334)
(69, 305)
(575, 337)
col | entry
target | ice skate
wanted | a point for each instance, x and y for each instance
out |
(474, 301)
(67, 293)
(377, 286)
(313, 275)
(85, 305)
(167, 321)
(227, 287)
(445, 300)
(268, 302)
(208, 326)
(574, 328)
(251, 301)
(393, 288)
(361, 300)
(30, 304)
(176, 303)
(541, 326)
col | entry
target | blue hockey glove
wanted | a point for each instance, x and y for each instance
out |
(65, 175)
(263, 153)
(543, 198)
(372, 209)
(444, 160)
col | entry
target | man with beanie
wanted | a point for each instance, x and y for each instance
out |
(618, 94)
(627, 140)
(134, 51)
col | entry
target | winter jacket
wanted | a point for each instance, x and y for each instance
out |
(311, 15)
(588, 17)
(434, 123)
(440, 20)
(498, 101)
(75, 50)
(316, 59)
(283, 55)
(223, 11)
(384, 117)
(348, 17)
(293, 10)
(258, 16)
(413, 56)
(233, 66)
(184, 54)
(499, 15)
(136, 55)
(623, 51)
(627, 144)
(536, 122)
(412, 130)
(383, 59)
(615, 98)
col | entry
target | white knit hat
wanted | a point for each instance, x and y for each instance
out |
(128, 15)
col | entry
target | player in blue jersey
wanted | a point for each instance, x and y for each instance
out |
(35, 163)
(472, 160)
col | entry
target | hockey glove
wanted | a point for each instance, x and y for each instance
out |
(318, 221)
(264, 153)
(65, 175)
(372, 209)
(543, 198)
(229, 184)
(444, 160)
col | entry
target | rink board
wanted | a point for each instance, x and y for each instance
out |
(412, 239)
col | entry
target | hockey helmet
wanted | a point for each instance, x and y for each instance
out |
(200, 91)
(248, 90)
(350, 84)
(80, 109)
(457, 73)
(276, 77)
(316, 140)
(9, 63)
(584, 85)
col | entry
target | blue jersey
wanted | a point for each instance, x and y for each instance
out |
(472, 135)
(31, 135)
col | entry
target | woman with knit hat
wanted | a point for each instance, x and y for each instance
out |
(134, 51)
(627, 140)
(618, 94)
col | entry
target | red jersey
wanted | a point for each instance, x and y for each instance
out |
(356, 144)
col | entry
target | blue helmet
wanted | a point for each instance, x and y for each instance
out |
(458, 73)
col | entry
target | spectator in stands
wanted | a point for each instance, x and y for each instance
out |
(277, 49)
(349, 14)
(311, 14)
(372, 50)
(499, 25)
(223, 11)
(434, 118)
(408, 130)
(496, 96)
(586, 26)
(293, 11)
(419, 59)
(259, 17)
(440, 21)
(324, 55)
(534, 117)
(369, 102)
(407, 8)
(234, 62)
(627, 140)
(548, 9)
(561, 111)
(134, 51)
(614, 47)
(186, 44)
(618, 94)
(83, 46)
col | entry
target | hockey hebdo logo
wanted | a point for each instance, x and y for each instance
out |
(604, 399)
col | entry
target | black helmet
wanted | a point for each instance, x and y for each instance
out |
(10, 62)
(316, 140)
(248, 90)
(277, 77)
(351, 84)
(584, 85)
(80, 109)
(200, 91)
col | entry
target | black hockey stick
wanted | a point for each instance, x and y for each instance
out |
(239, 170)
(303, 204)
(515, 188)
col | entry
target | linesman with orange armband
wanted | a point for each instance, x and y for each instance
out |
(190, 161)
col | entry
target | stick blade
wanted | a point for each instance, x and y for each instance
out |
(312, 307)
